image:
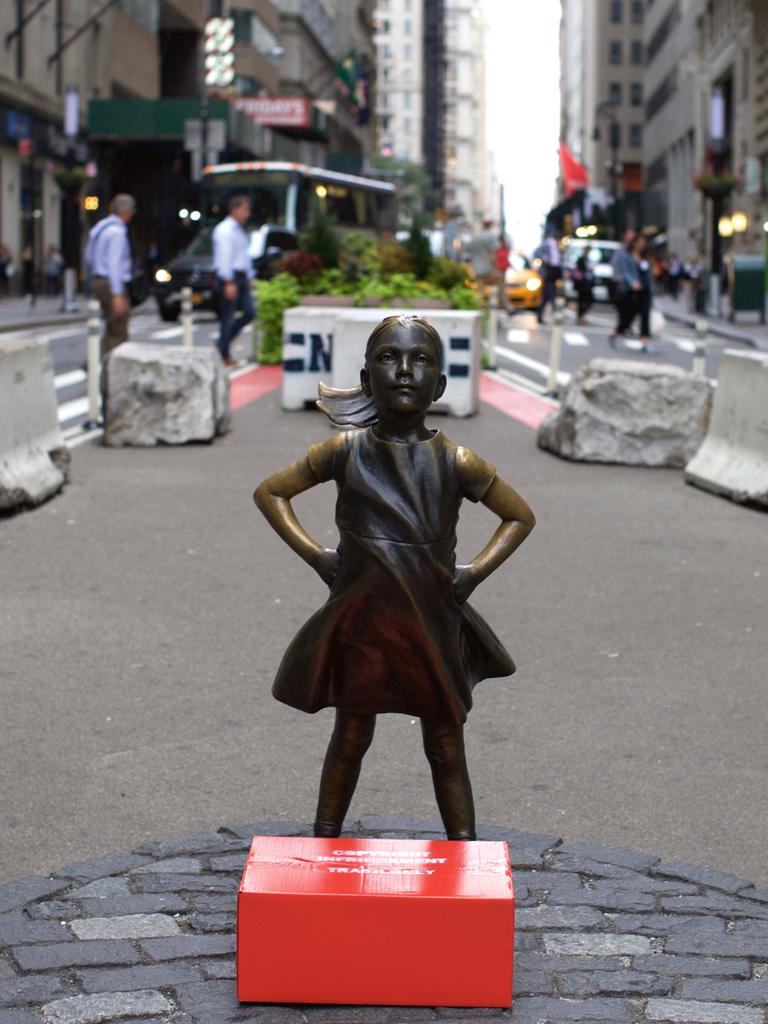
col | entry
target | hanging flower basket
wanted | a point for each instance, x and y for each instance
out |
(716, 186)
(70, 181)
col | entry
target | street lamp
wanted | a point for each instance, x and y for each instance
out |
(607, 109)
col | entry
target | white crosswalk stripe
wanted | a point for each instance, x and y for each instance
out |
(67, 380)
(166, 332)
(575, 338)
(71, 410)
(540, 369)
(518, 336)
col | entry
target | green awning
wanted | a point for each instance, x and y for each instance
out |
(147, 119)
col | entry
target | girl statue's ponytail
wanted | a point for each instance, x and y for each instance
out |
(347, 407)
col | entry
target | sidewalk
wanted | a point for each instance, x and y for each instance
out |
(16, 314)
(746, 328)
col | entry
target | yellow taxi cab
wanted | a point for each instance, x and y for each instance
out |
(522, 283)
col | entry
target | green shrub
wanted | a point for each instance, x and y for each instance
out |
(394, 258)
(321, 239)
(447, 274)
(275, 297)
(461, 297)
(359, 255)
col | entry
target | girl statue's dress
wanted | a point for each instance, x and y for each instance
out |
(391, 636)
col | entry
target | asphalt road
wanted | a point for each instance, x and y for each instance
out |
(143, 613)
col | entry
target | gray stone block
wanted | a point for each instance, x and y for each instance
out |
(112, 864)
(715, 903)
(726, 991)
(588, 866)
(761, 895)
(16, 929)
(539, 841)
(219, 969)
(97, 1008)
(101, 887)
(534, 1009)
(268, 828)
(606, 897)
(649, 924)
(142, 976)
(189, 945)
(171, 866)
(18, 1017)
(31, 990)
(532, 983)
(185, 883)
(230, 862)
(198, 842)
(702, 876)
(135, 903)
(675, 966)
(382, 823)
(74, 954)
(22, 891)
(213, 922)
(710, 938)
(54, 910)
(597, 983)
(6, 971)
(701, 1013)
(525, 857)
(134, 926)
(213, 903)
(597, 944)
(558, 917)
(610, 855)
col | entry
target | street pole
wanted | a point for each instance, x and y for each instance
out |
(94, 363)
(187, 338)
(699, 366)
(555, 346)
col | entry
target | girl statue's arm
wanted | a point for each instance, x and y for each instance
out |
(273, 497)
(517, 521)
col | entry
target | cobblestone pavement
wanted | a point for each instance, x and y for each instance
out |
(603, 934)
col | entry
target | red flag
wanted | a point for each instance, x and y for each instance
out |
(574, 174)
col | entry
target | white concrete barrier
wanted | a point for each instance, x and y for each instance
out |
(733, 459)
(328, 345)
(33, 457)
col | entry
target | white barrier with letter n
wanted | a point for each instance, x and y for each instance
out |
(733, 458)
(328, 345)
(32, 452)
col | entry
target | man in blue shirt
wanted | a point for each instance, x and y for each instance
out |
(626, 287)
(109, 258)
(234, 270)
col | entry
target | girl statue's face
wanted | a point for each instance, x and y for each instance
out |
(402, 372)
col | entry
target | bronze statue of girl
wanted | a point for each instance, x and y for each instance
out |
(396, 633)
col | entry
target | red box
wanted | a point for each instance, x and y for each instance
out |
(376, 921)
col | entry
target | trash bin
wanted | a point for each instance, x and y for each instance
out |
(748, 285)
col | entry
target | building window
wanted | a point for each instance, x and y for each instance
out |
(617, 11)
(407, 125)
(407, 26)
(616, 55)
(635, 135)
(407, 51)
(407, 99)
(637, 12)
(636, 94)
(637, 52)
(385, 123)
(615, 93)
(250, 29)
(245, 85)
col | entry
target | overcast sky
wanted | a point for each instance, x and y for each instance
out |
(524, 109)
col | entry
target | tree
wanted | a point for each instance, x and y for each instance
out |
(414, 190)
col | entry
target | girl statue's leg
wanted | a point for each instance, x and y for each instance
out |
(444, 747)
(352, 735)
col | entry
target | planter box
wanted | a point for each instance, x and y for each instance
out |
(327, 300)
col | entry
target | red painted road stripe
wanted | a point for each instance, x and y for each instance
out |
(254, 384)
(512, 401)
(520, 405)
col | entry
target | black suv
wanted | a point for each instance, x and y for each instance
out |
(193, 268)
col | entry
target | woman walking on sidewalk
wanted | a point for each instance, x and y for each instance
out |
(644, 295)
(626, 285)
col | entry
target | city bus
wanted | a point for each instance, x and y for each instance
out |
(288, 194)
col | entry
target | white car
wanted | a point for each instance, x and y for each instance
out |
(600, 259)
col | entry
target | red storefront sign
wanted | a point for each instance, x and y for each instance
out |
(276, 111)
(376, 921)
(24, 147)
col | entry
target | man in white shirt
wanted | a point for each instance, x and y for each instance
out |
(109, 258)
(234, 270)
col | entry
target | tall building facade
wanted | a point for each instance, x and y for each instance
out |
(603, 96)
(467, 185)
(400, 78)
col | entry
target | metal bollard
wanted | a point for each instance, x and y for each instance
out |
(186, 317)
(255, 333)
(555, 345)
(493, 326)
(94, 364)
(699, 366)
